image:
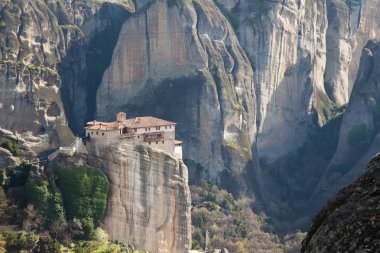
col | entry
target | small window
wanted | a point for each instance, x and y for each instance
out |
(149, 143)
(97, 132)
(92, 132)
(156, 142)
(162, 142)
(138, 136)
(166, 127)
(102, 133)
(135, 130)
(146, 129)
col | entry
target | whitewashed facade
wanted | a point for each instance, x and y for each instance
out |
(153, 132)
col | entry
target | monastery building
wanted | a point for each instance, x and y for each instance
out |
(149, 131)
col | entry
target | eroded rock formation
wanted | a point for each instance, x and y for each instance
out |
(184, 63)
(359, 137)
(35, 38)
(248, 81)
(149, 199)
(306, 56)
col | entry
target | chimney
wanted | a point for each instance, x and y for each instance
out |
(121, 116)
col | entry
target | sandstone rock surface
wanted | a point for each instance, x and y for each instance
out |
(363, 112)
(253, 92)
(184, 63)
(149, 198)
(35, 38)
(306, 56)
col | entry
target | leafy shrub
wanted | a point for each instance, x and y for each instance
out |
(47, 199)
(47, 245)
(84, 193)
(17, 175)
(4, 204)
(13, 147)
(197, 240)
(18, 241)
(242, 224)
(357, 134)
(83, 228)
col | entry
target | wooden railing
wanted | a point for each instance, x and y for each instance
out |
(127, 135)
(158, 137)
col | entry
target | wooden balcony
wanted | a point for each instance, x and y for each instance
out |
(154, 137)
(127, 135)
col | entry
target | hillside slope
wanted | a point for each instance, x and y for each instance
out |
(350, 222)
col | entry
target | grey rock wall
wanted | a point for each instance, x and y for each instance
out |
(149, 198)
(187, 59)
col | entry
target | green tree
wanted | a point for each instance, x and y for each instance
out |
(47, 245)
(19, 241)
(13, 147)
(47, 199)
(4, 204)
(84, 193)
(18, 175)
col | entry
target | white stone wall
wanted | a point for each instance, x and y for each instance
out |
(169, 138)
(153, 129)
(178, 152)
(109, 137)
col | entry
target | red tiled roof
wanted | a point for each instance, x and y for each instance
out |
(139, 122)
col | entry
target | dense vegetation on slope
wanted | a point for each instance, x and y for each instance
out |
(58, 209)
(231, 224)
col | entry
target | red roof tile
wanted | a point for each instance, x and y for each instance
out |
(139, 122)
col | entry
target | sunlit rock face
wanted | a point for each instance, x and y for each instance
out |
(305, 56)
(149, 198)
(36, 38)
(184, 63)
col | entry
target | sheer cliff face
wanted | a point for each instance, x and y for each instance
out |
(288, 51)
(149, 199)
(305, 55)
(359, 137)
(184, 63)
(257, 91)
(35, 38)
